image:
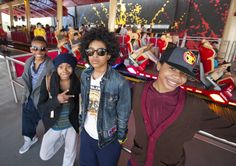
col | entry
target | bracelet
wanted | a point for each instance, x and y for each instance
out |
(122, 141)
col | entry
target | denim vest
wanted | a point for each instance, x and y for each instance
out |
(114, 107)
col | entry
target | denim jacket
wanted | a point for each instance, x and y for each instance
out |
(114, 107)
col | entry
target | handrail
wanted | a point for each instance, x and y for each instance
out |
(210, 139)
(216, 141)
(15, 61)
(12, 81)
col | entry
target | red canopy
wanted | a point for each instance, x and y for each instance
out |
(70, 3)
(46, 8)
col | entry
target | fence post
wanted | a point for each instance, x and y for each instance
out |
(11, 80)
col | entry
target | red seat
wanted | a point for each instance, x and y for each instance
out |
(153, 40)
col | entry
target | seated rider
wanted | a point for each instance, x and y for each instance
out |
(141, 56)
(214, 70)
(74, 37)
(63, 41)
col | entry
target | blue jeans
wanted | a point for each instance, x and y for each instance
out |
(30, 119)
(92, 155)
(129, 163)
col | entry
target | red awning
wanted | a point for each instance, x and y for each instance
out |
(70, 3)
(46, 8)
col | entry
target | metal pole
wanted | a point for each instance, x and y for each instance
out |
(11, 80)
(27, 14)
(76, 18)
(112, 15)
(59, 14)
(229, 31)
(11, 14)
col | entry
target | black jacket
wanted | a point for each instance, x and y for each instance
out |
(46, 105)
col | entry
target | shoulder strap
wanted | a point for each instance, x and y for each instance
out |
(48, 80)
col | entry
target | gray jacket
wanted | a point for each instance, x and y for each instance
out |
(114, 107)
(49, 67)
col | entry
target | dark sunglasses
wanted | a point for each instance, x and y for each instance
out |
(100, 51)
(35, 48)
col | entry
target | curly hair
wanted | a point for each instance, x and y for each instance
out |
(101, 34)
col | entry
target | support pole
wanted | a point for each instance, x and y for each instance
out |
(27, 15)
(11, 80)
(76, 17)
(11, 14)
(112, 15)
(0, 17)
(59, 14)
(229, 33)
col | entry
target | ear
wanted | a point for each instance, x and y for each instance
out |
(108, 57)
(158, 66)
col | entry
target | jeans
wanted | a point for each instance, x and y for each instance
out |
(30, 119)
(92, 155)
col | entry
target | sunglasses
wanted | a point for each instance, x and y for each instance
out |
(35, 48)
(100, 51)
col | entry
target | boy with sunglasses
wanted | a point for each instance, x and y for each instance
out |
(106, 101)
(36, 67)
(166, 116)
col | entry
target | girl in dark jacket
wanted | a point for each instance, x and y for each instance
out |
(59, 105)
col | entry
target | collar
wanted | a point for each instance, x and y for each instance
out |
(88, 72)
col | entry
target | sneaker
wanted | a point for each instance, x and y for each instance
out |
(27, 144)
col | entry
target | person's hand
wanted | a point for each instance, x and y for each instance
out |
(63, 97)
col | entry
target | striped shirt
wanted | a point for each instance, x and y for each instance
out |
(35, 74)
(63, 120)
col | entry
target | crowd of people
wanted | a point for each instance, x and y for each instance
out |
(166, 116)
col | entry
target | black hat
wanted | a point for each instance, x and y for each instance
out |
(181, 59)
(65, 58)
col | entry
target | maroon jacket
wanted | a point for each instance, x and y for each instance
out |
(164, 146)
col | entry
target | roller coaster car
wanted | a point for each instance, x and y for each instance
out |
(196, 87)
(213, 75)
(220, 91)
(149, 54)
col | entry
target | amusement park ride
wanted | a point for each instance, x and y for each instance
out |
(214, 84)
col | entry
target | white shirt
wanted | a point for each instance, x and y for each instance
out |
(94, 100)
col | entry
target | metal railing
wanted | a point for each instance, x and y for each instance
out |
(227, 49)
(210, 139)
